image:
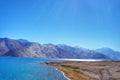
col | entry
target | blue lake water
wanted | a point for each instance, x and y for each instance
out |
(28, 69)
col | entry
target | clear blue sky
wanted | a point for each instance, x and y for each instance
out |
(85, 23)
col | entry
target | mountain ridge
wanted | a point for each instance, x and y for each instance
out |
(24, 48)
(109, 52)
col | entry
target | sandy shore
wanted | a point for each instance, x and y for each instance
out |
(89, 70)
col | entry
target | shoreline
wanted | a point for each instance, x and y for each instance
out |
(63, 73)
(68, 74)
(88, 70)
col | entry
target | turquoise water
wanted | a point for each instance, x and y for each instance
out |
(28, 69)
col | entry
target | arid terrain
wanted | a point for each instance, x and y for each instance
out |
(89, 70)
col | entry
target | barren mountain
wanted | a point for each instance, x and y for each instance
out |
(24, 48)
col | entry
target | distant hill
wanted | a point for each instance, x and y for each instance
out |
(109, 52)
(24, 48)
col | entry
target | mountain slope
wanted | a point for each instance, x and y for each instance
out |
(109, 52)
(24, 48)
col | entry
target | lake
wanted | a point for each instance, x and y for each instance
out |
(12, 68)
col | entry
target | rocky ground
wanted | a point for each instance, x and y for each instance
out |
(89, 70)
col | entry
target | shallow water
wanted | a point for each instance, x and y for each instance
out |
(28, 69)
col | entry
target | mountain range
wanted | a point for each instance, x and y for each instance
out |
(24, 48)
(109, 52)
